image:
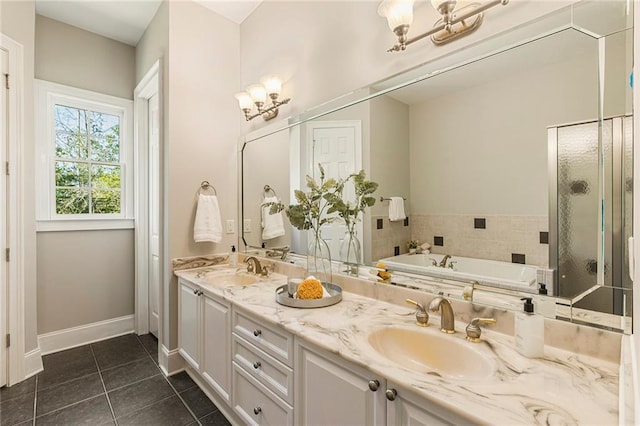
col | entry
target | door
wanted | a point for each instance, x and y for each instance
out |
(4, 184)
(216, 357)
(154, 215)
(337, 146)
(189, 325)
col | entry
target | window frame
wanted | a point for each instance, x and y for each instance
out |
(48, 95)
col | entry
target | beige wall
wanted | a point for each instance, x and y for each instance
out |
(84, 277)
(204, 126)
(78, 58)
(75, 57)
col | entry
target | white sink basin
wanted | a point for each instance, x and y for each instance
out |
(428, 352)
(230, 277)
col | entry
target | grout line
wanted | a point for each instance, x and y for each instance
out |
(35, 401)
(181, 399)
(106, 394)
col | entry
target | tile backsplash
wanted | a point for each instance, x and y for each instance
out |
(462, 235)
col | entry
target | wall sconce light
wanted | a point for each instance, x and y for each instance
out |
(256, 95)
(455, 23)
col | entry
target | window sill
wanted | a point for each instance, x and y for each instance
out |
(83, 225)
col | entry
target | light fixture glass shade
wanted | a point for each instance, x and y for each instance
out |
(244, 100)
(257, 93)
(272, 85)
(397, 12)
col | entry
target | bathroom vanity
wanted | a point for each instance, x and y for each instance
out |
(264, 363)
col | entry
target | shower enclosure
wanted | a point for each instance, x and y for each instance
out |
(590, 212)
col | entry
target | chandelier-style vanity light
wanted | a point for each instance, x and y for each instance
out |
(256, 95)
(455, 23)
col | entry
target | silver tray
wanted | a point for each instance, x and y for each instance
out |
(283, 298)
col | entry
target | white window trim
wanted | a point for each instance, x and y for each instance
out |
(47, 94)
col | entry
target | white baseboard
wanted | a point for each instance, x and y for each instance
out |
(32, 363)
(77, 336)
(170, 362)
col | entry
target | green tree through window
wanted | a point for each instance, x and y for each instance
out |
(87, 162)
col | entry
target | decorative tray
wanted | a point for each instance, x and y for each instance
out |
(334, 290)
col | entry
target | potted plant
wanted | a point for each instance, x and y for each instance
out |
(413, 246)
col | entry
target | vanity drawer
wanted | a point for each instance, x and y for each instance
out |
(256, 404)
(268, 371)
(275, 342)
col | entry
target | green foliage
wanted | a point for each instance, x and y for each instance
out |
(348, 210)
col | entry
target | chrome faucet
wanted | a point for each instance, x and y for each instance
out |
(443, 262)
(447, 319)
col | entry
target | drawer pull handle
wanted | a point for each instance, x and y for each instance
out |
(374, 385)
(257, 332)
(257, 410)
(257, 365)
(391, 394)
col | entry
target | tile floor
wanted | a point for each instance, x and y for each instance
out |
(113, 382)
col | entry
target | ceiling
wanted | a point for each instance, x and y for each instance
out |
(126, 20)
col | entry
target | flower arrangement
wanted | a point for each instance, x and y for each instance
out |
(413, 244)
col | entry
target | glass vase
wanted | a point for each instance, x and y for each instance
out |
(319, 258)
(350, 252)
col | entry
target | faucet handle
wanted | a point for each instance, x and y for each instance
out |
(473, 329)
(422, 317)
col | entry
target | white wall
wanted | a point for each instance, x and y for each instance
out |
(70, 262)
(17, 20)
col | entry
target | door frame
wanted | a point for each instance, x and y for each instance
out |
(15, 300)
(148, 87)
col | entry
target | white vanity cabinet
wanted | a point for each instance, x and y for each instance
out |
(205, 336)
(332, 391)
(262, 371)
(405, 408)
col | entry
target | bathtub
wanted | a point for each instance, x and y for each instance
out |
(513, 276)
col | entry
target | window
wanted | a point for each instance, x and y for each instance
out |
(84, 178)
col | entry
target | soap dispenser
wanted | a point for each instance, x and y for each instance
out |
(529, 331)
(545, 305)
(233, 257)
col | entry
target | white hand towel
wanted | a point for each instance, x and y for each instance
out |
(207, 226)
(396, 209)
(272, 224)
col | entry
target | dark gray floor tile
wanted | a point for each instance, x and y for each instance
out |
(170, 412)
(150, 343)
(181, 381)
(198, 402)
(117, 351)
(138, 395)
(22, 388)
(56, 397)
(67, 365)
(16, 410)
(94, 411)
(128, 373)
(215, 419)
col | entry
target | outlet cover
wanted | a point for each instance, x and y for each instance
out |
(246, 226)
(231, 226)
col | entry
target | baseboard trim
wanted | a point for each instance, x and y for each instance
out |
(32, 363)
(77, 336)
(222, 405)
(170, 362)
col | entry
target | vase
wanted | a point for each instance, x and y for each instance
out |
(350, 252)
(319, 258)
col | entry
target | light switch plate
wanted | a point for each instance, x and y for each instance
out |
(231, 228)
(247, 226)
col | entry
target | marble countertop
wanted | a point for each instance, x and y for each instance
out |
(563, 388)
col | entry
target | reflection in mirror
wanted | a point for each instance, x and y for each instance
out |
(486, 155)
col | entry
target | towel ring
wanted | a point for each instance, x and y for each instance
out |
(206, 186)
(268, 189)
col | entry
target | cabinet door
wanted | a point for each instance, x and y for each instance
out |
(216, 357)
(331, 391)
(408, 409)
(189, 325)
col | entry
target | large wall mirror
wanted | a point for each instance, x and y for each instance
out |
(517, 150)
